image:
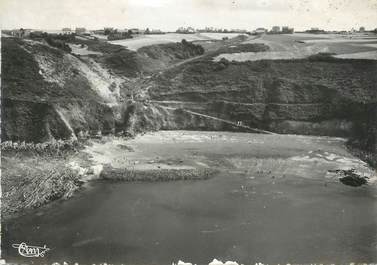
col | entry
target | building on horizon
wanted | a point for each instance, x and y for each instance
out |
(259, 31)
(237, 31)
(119, 35)
(20, 33)
(107, 30)
(362, 29)
(99, 31)
(137, 31)
(80, 30)
(275, 29)
(67, 30)
(153, 31)
(315, 30)
(287, 30)
(188, 30)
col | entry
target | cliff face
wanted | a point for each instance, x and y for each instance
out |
(49, 93)
(46, 95)
(318, 95)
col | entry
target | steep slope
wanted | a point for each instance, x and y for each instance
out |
(54, 93)
(319, 95)
(161, 56)
(40, 86)
(176, 86)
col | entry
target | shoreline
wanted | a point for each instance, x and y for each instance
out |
(30, 182)
(261, 179)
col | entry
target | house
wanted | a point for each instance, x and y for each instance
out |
(241, 31)
(99, 31)
(20, 33)
(275, 29)
(121, 31)
(153, 31)
(315, 31)
(191, 30)
(188, 30)
(106, 31)
(362, 29)
(67, 31)
(17, 33)
(156, 31)
(119, 34)
(208, 29)
(80, 30)
(287, 30)
(260, 31)
(136, 31)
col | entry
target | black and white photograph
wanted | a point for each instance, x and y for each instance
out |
(188, 132)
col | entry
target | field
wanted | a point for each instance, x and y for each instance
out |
(372, 55)
(147, 40)
(298, 46)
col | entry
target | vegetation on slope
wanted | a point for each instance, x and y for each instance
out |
(115, 57)
(243, 47)
(363, 142)
(32, 105)
(320, 95)
(128, 63)
(280, 81)
(291, 96)
(172, 51)
(35, 174)
(22, 77)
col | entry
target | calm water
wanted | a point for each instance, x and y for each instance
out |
(233, 216)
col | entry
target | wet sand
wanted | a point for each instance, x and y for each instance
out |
(273, 201)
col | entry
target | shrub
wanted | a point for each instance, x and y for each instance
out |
(58, 43)
(52, 148)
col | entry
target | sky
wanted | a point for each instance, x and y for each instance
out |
(171, 14)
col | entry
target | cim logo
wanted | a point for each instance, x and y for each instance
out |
(30, 251)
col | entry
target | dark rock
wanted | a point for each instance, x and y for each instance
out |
(351, 178)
